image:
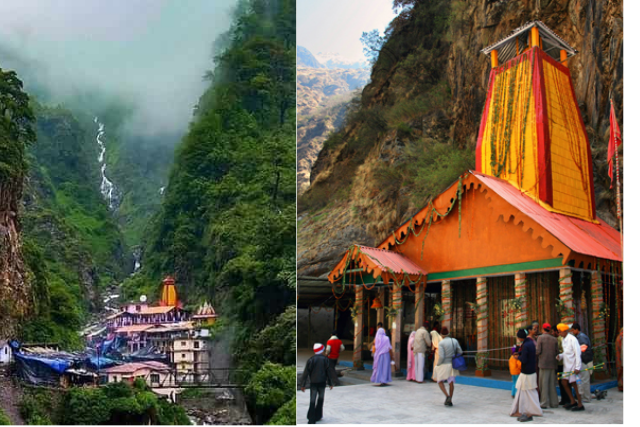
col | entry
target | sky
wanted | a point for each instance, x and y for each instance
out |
(153, 53)
(336, 25)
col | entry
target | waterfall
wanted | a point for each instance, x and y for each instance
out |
(137, 259)
(106, 187)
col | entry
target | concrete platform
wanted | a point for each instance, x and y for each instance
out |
(406, 402)
(499, 379)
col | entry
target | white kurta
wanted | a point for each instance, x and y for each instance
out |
(435, 340)
(570, 356)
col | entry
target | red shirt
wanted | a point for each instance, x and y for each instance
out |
(335, 348)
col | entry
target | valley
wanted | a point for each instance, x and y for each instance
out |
(109, 192)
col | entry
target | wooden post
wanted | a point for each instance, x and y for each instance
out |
(358, 329)
(563, 57)
(566, 296)
(482, 327)
(446, 303)
(380, 311)
(535, 37)
(521, 292)
(396, 326)
(599, 336)
(494, 58)
(419, 305)
(309, 344)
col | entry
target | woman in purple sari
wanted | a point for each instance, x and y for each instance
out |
(381, 359)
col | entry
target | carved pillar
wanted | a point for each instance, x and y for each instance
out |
(446, 303)
(522, 316)
(419, 305)
(482, 327)
(380, 311)
(396, 325)
(566, 296)
(599, 336)
(358, 329)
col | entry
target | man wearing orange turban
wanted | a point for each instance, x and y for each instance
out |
(571, 366)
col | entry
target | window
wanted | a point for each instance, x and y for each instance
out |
(196, 344)
(137, 308)
(155, 378)
(183, 343)
(184, 355)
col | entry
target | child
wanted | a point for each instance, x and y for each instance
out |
(514, 368)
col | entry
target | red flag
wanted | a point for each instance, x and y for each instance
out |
(615, 140)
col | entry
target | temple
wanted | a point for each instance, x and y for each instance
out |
(514, 241)
(167, 331)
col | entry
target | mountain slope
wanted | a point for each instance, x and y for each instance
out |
(316, 86)
(304, 58)
(312, 131)
(226, 228)
(16, 290)
(415, 128)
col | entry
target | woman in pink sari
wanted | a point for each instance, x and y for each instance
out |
(411, 362)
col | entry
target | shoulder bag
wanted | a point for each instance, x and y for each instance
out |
(458, 361)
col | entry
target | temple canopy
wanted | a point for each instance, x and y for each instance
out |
(205, 311)
(169, 293)
(519, 40)
(377, 263)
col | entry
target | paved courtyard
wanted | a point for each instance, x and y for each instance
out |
(411, 403)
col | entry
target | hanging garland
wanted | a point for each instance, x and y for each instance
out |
(524, 127)
(565, 311)
(599, 329)
(446, 303)
(521, 301)
(482, 361)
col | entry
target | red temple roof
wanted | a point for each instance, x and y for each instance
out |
(378, 262)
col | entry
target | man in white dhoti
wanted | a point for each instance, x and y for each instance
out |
(421, 347)
(526, 404)
(571, 364)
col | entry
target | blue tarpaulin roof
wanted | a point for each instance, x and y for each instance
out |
(100, 362)
(58, 365)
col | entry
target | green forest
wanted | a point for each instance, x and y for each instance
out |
(227, 223)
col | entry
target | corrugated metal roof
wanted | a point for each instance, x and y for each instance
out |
(155, 310)
(551, 42)
(133, 328)
(584, 237)
(129, 368)
(388, 260)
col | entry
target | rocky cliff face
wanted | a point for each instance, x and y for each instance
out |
(406, 116)
(322, 97)
(316, 86)
(15, 292)
(312, 131)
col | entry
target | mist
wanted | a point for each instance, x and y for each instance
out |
(149, 55)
